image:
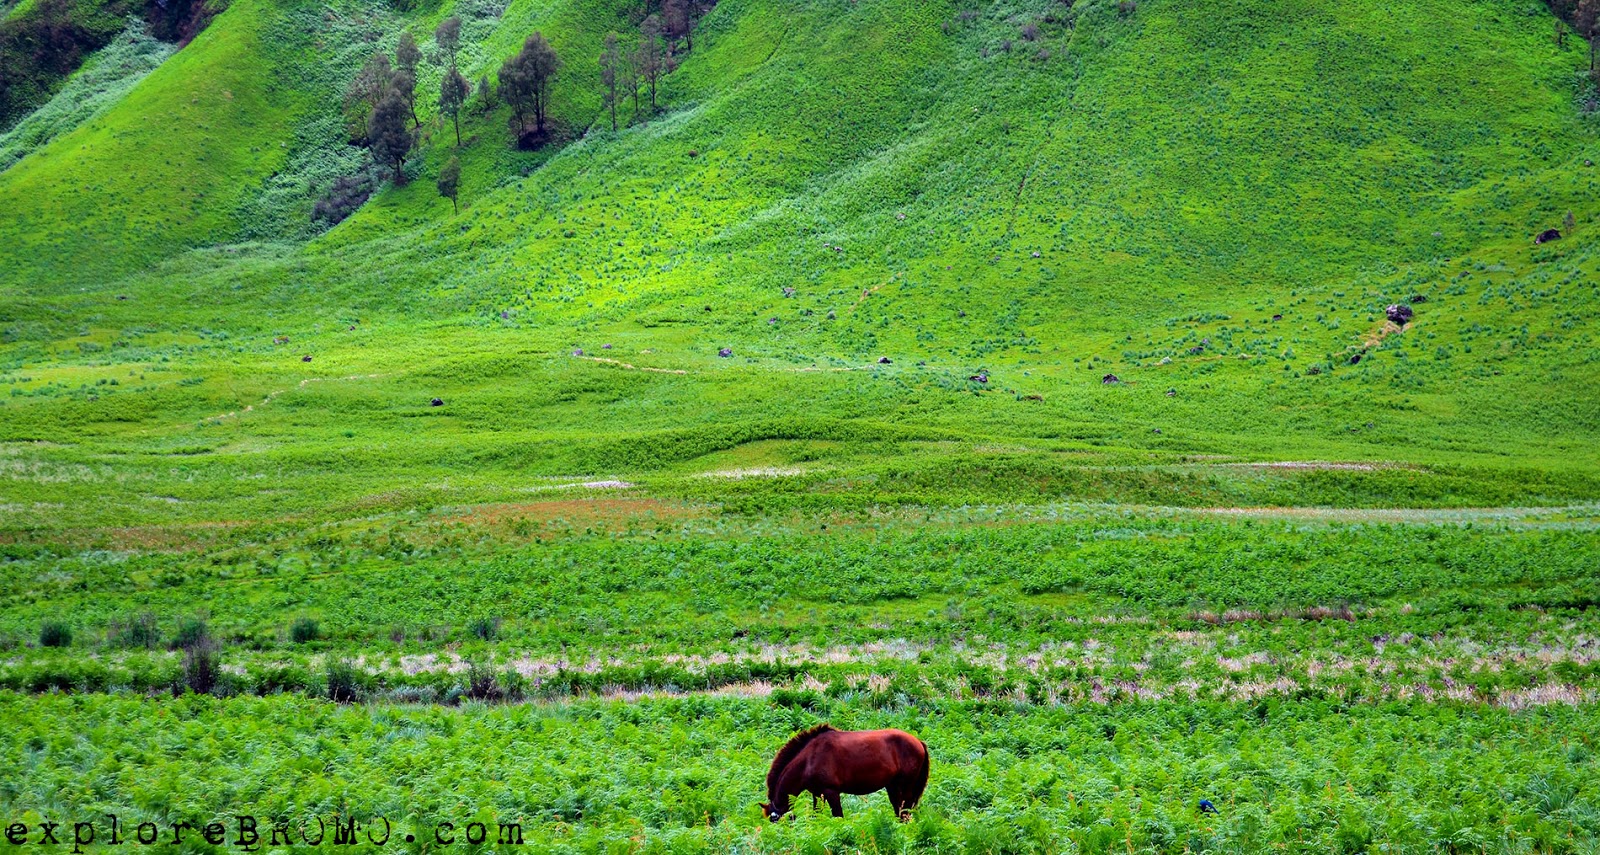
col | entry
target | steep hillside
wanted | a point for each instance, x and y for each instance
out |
(1212, 202)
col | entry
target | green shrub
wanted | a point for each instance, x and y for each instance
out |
(303, 630)
(55, 634)
(191, 632)
(486, 628)
(343, 684)
(201, 667)
(137, 632)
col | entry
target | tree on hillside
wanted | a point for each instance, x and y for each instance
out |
(650, 60)
(1586, 20)
(453, 90)
(388, 137)
(449, 181)
(404, 83)
(678, 20)
(448, 37)
(630, 82)
(525, 80)
(486, 93)
(363, 95)
(610, 74)
(406, 57)
(406, 53)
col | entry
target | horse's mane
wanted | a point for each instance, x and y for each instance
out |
(787, 753)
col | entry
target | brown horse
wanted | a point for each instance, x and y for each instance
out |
(829, 762)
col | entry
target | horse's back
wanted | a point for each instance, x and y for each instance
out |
(875, 757)
(913, 751)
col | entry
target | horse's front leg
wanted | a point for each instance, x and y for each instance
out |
(833, 802)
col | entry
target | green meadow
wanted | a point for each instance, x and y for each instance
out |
(1015, 373)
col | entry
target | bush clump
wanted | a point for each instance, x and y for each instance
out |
(344, 687)
(486, 628)
(193, 631)
(303, 630)
(137, 632)
(54, 633)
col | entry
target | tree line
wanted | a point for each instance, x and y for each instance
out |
(380, 104)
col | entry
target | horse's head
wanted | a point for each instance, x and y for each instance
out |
(773, 813)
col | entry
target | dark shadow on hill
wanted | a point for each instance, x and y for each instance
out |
(41, 47)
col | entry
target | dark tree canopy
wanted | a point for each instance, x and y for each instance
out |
(449, 181)
(677, 21)
(364, 93)
(407, 54)
(525, 80)
(1586, 20)
(453, 90)
(404, 83)
(389, 138)
(448, 37)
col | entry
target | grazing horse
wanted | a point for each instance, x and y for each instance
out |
(829, 762)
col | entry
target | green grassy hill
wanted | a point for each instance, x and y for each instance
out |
(1137, 193)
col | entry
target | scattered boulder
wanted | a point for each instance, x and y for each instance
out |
(1418, 298)
(1313, 371)
(1109, 379)
(281, 339)
(1197, 349)
(980, 377)
(122, 296)
(884, 360)
(306, 358)
(1277, 317)
(1588, 162)
(1400, 313)
(1172, 393)
(787, 291)
(436, 402)
(1165, 360)
(505, 315)
(708, 308)
(1355, 359)
(605, 347)
(1548, 235)
(961, 313)
(578, 352)
(772, 322)
(725, 352)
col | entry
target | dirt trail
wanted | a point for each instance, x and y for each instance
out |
(301, 385)
(620, 364)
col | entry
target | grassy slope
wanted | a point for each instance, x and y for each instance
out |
(175, 156)
(1182, 174)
